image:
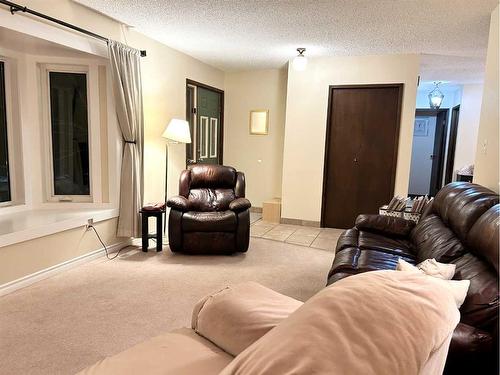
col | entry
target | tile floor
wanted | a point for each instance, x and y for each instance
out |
(319, 238)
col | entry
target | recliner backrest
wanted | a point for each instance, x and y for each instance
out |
(211, 187)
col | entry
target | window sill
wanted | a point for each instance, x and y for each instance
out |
(26, 225)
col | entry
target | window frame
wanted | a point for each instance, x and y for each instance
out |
(47, 150)
(12, 146)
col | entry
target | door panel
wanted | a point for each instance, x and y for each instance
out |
(208, 130)
(452, 143)
(361, 151)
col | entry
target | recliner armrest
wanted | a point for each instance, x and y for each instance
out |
(240, 204)
(385, 224)
(179, 203)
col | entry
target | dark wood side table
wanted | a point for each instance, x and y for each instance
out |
(146, 214)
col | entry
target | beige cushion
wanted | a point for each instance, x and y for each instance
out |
(381, 322)
(179, 352)
(434, 268)
(458, 288)
(236, 316)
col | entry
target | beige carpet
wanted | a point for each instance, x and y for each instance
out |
(67, 322)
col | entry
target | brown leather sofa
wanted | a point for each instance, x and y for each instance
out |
(210, 215)
(460, 226)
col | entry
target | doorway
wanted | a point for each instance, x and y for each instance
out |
(362, 135)
(205, 114)
(428, 147)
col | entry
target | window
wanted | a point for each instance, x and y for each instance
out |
(69, 136)
(5, 194)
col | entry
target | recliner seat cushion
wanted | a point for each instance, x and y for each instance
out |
(222, 221)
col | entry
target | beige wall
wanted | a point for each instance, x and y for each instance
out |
(260, 157)
(486, 166)
(164, 73)
(468, 125)
(25, 258)
(305, 127)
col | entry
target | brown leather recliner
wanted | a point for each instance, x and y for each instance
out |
(210, 215)
(461, 226)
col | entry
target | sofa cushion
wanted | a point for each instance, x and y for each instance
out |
(379, 242)
(237, 316)
(481, 307)
(345, 329)
(224, 221)
(355, 260)
(347, 239)
(483, 238)
(180, 352)
(459, 205)
(388, 225)
(374, 241)
(433, 239)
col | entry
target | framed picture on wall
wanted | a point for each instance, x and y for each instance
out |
(259, 121)
(421, 128)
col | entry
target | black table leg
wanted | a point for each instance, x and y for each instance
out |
(159, 232)
(145, 234)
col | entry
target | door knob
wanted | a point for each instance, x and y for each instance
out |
(355, 160)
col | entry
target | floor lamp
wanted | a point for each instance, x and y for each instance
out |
(177, 131)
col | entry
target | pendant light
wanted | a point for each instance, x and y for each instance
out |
(436, 97)
(300, 61)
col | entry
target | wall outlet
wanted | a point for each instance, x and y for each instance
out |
(90, 223)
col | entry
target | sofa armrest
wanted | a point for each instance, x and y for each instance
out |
(470, 340)
(239, 204)
(237, 316)
(178, 203)
(472, 348)
(385, 224)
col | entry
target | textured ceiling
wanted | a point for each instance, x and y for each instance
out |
(251, 34)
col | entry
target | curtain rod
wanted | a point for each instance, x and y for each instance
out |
(16, 8)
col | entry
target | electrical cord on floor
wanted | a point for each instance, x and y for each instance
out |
(104, 245)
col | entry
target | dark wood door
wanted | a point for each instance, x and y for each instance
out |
(208, 116)
(438, 154)
(205, 114)
(452, 144)
(361, 151)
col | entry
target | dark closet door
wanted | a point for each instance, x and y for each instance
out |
(361, 151)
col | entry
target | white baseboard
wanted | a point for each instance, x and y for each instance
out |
(27, 280)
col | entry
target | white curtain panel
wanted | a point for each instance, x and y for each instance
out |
(126, 74)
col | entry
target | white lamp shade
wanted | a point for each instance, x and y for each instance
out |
(177, 131)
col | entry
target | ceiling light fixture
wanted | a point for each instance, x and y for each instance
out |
(300, 61)
(436, 97)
